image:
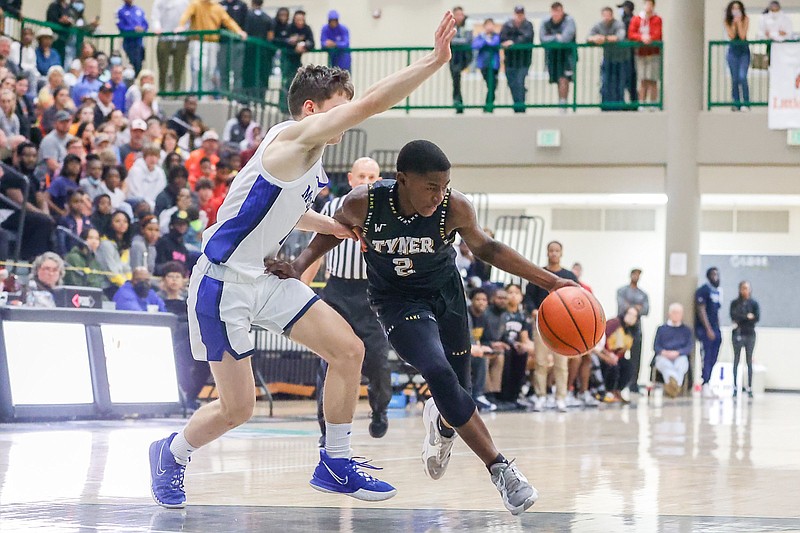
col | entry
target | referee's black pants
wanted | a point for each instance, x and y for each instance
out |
(349, 299)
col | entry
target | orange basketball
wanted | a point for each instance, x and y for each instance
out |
(571, 321)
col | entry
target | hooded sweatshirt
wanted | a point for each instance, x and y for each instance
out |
(144, 183)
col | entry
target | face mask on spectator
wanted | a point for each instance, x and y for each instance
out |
(77, 6)
(141, 288)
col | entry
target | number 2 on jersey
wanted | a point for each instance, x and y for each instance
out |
(404, 266)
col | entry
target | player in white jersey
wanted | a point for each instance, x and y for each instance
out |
(229, 290)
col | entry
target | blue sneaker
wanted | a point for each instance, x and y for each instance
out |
(342, 476)
(166, 475)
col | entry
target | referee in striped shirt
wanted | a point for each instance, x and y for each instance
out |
(346, 292)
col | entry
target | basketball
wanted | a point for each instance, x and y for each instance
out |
(571, 321)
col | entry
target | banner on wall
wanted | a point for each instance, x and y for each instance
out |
(784, 86)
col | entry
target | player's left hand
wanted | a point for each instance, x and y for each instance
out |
(561, 282)
(282, 269)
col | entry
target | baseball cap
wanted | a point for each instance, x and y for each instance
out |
(63, 115)
(90, 96)
(179, 216)
(101, 138)
(626, 3)
(138, 124)
(210, 135)
(519, 8)
(637, 269)
(333, 15)
(106, 88)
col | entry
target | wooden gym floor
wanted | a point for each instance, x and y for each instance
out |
(686, 465)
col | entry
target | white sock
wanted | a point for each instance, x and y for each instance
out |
(181, 449)
(337, 440)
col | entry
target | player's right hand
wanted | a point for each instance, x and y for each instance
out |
(442, 38)
(282, 269)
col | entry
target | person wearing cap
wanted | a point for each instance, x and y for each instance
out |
(336, 36)
(146, 178)
(46, 55)
(647, 28)
(170, 247)
(165, 16)
(104, 104)
(206, 15)
(517, 31)
(209, 149)
(131, 18)
(53, 148)
(632, 296)
(559, 29)
(607, 33)
(131, 150)
(631, 85)
(261, 26)
(462, 57)
(89, 83)
(775, 25)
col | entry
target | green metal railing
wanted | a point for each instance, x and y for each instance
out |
(258, 72)
(719, 84)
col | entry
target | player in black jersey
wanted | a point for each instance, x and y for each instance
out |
(408, 227)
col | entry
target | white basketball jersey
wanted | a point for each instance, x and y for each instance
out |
(259, 212)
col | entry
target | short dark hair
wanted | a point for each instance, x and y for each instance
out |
(478, 291)
(517, 285)
(556, 5)
(92, 157)
(24, 145)
(299, 12)
(607, 9)
(203, 183)
(421, 157)
(317, 83)
(457, 8)
(71, 158)
(176, 172)
(554, 242)
(205, 160)
(172, 267)
(710, 270)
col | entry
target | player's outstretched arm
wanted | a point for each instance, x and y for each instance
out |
(318, 223)
(351, 214)
(320, 128)
(462, 219)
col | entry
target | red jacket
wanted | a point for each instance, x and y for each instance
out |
(635, 33)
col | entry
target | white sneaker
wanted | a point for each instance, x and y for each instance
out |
(561, 405)
(517, 493)
(744, 109)
(589, 400)
(707, 392)
(550, 403)
(484, 404)
(539, 403)
(436, 448)
(572, 401)
(625, 394)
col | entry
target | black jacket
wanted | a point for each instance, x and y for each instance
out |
(258, 24)
(521, 35)
(739, 310)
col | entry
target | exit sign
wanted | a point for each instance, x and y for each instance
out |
(793, 137)
(548, 138)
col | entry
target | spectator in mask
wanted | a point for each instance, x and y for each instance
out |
(137, 294)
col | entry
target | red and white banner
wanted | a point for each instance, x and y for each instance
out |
(784, 86)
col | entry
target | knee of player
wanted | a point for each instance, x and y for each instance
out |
(239, 412)
(350, 352)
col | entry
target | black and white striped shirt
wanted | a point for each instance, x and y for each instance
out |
(346, 260)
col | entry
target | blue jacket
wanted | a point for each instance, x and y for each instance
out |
(674, 338)
(128, 17)
(43, 64)
(127, 299)
(341, 36)
(84, 87)
(120, 90)
(486, 55)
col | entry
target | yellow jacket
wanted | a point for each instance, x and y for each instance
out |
(206, 15)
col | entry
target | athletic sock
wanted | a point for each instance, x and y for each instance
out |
(498, 459)
(337, 440)
(445, 430)
(181, 449)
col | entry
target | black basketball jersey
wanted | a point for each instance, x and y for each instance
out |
(406, 255)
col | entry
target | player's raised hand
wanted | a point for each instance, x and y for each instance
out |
(444, 35)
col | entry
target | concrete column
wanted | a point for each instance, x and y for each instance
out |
(683, 94)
